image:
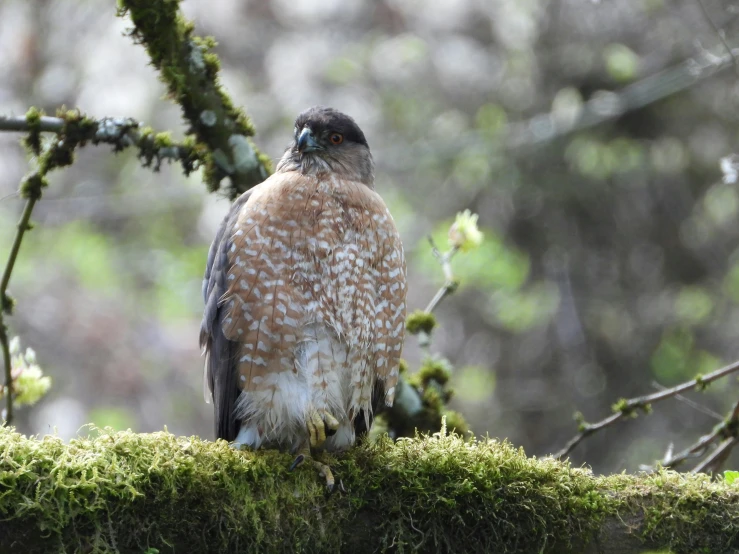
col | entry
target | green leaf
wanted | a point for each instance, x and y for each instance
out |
(731, 476)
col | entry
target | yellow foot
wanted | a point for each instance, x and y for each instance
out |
(323, 470)
(321, 424)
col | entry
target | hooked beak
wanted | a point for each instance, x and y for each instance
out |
(307, 142)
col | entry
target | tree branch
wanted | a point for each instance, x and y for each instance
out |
(44, 124)
(628, 408)
(119, 132)
(450, 284)
(728, 428)
(190, 72)
(132, 492)
(23, 226)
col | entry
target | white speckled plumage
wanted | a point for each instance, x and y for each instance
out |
(308, 277)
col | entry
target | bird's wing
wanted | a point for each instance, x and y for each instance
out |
(387, 273)
(220, 373)
(391, 308)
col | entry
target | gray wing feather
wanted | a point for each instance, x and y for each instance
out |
(221, 370)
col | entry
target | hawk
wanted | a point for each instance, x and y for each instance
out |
(305, 290)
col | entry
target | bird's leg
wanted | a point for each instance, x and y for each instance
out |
(323, 470)
(321, 424)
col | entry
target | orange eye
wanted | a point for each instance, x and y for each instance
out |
(336, 138)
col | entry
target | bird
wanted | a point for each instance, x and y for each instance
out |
(305, 299)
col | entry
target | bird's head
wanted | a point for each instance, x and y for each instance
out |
(328, 141)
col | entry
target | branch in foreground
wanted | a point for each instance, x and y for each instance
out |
(190, 72)
(628, 407)
(119, 132)
(132, 492)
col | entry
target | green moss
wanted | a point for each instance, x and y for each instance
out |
(420, 321)
(32, 141)
(700, 383)
(402, 366)
(190, 71)
(33, 116)
(133, 492)
(7, 304)
(33, 186)
(456, 422)
(162, 140)
(686, 513)
(437, 369)
(433, 400)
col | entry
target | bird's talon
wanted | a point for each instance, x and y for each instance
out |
(325, 472)
(299, 459)
(321, 424)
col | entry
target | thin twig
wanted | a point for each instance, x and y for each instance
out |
(120, 132)
(519, 137)
(629, 407)
(46, 124)
(719, 33)
(23, 226)
(717, 457)
(692, 403)
(450, 284)
(727, 427)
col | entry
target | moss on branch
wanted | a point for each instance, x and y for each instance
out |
(190, 71)
(130, 492)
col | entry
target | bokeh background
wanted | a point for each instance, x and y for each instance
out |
(610, 262)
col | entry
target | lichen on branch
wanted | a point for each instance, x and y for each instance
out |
(190, 69)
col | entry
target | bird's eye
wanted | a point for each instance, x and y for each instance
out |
(336, 138)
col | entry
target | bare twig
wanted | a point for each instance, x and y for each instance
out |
(629, 407)
(693, 404)
(45, 124)
(727, 428)
(23, 226)
(717, 457)
(719, 33)
(450, 284)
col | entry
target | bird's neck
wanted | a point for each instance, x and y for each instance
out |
(328, 169)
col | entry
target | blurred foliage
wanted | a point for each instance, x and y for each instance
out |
(29, 382)
(611, 254)
(491, 265)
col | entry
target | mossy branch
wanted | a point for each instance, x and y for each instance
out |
(190, 71)
(126, 492)
(76, 129)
